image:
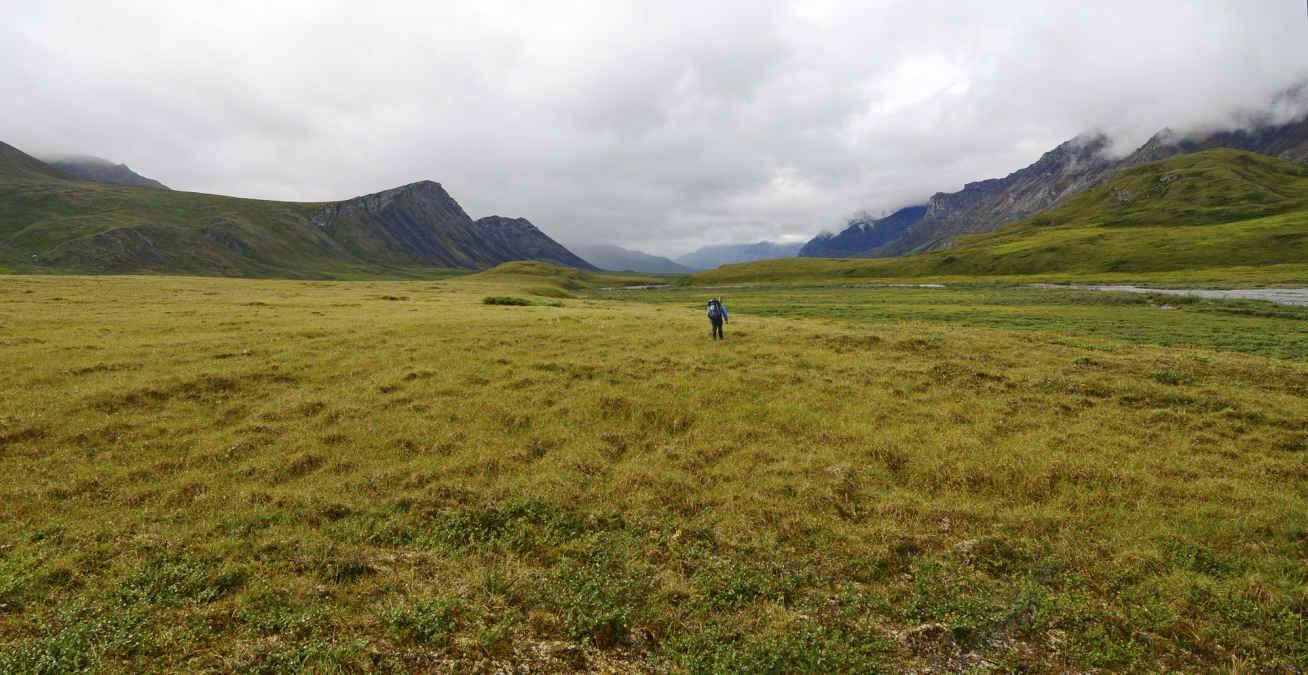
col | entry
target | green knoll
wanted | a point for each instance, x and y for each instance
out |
(1214, 215)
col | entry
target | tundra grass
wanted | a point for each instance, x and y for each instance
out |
(267, 476)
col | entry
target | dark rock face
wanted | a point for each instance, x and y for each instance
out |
(1067, 170)
(102, 171)
(863, 234)
(421, 224)
(417, 223)
(526, 242)
(1285, 141)
(709, 257)
(986, 205)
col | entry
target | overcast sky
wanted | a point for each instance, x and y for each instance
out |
(659, 125)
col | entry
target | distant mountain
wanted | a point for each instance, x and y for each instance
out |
(1206, 211)
(50, 221)
(85, 167)
(709, 257)
(620, 259)
(527, 242)
(1065, 171)
(862, 234)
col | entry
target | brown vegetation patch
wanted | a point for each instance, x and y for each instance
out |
(83, 488)
(103, 368)
(22, 436)
(311, 408)
(186, 494)
(842, 344)
(299, 466)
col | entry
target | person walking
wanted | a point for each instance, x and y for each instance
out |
(717, 315)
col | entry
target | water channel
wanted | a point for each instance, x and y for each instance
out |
(1284, 296)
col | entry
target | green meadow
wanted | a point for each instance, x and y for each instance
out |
(1243, 326)
(516, 470)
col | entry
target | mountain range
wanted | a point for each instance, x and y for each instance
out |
(1067, 170)
(709, 257)
(87, 214)
(1215, 214)
(618, 259)
(49, 219)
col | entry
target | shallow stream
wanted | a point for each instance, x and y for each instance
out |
(1284, 296)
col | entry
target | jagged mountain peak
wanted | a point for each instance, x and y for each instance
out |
(422, 188)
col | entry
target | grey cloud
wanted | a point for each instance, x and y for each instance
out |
(661, 126)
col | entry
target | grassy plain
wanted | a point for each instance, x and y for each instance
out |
(261, 476)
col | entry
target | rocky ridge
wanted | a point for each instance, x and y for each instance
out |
(1069, 169)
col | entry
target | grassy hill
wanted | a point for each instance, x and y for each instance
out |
(51, 223)
(233, 475)
(547, 280)
(1203, 212)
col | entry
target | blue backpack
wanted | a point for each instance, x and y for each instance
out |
(714, 310)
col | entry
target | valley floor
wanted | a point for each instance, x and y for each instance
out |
(262, 476)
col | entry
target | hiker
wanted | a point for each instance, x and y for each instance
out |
(717, 315)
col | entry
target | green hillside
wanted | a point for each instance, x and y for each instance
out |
(17, 166)
(69, 225)
(52, 223)
(1212, 210)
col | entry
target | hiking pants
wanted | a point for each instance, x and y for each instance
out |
(717, 328)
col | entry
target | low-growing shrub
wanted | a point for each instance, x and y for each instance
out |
(505, 300)
(174, 582)
(431, 622)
